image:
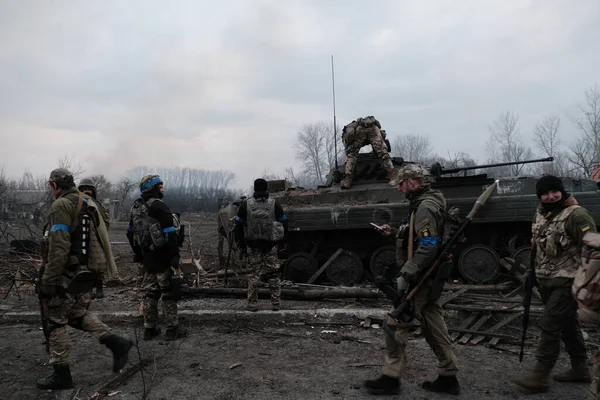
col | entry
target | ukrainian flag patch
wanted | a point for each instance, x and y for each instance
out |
(584, 227)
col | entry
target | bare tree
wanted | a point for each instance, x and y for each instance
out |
(412, 147)
(585, 152)
(547, 139)
(69, 163)
(505, 144)
(315, 148)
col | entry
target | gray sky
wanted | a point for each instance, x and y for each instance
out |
(227, 86)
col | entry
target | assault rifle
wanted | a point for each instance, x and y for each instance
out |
(401, 301)
(530, 282)
(43, 301)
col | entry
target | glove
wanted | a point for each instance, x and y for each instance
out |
(48, 290)
(410, 271)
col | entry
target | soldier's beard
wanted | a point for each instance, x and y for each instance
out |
(413, 194)
(549, 207)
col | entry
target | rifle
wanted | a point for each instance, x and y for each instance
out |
(403, 302)
(43, 301)
(529, 285)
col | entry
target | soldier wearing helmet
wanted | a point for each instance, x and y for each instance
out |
(61, 264)
(427, 220)
(87, 186)
(359, 133)
(160, 260)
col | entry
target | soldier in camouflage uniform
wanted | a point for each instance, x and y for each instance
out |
(88, 187)
(427, 222)
(359, 133)
(557, 233)
(160, 264)
(63, 260)
(260, 225)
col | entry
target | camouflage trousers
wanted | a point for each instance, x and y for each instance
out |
(157, 285)
(363, 137)
(72, 310)
(263, 264)
(594, 390)
(436, 334)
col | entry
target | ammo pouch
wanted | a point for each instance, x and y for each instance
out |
(175, 286)
(78, 280)
(443, 273)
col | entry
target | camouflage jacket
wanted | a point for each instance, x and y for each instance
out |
(58, 224)
(558, 236)
(103, 213)
(428, 225)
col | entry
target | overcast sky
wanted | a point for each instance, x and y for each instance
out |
(227, 85)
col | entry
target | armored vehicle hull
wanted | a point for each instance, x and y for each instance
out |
(326, 219)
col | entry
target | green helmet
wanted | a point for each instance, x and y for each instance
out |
(87, 182)
(62, 177)
(148, 182)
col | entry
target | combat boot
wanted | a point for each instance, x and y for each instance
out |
(149, 333)
(383, 385)
(175, 333)
(537, 381)
(443, 384)
(120, 348)
(275, 307)
(99, 290)
(579, 372)
(60, 378)
(347, 181)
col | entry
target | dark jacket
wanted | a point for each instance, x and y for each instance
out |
(158, 260)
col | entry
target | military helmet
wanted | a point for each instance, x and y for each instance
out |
(148, 182)
(87, 182)
(62, 177)
(408, 171)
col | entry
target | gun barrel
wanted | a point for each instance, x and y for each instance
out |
(459, 169)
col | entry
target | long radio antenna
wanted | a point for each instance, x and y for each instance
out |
(334, 117)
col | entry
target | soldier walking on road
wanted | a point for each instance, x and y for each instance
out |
(88, 187)
(153, 236)
(426, 206)
(261, 225)
(557, 234)
(77, 243)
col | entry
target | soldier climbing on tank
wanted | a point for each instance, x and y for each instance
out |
(359, 133)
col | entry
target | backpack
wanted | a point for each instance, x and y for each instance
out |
(450, 220)
(261, 223)
(86, 246)
(586, 285)
(147, 232)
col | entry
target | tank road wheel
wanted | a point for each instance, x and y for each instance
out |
(478, 264)
(384, 256)
(299, 267)
(346, 269)
(524, 252)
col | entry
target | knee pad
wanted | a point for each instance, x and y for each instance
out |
(153, 295)
(53, 325)
(76, 323)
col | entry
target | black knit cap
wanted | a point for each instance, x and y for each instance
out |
(547, 183)
(260, 185)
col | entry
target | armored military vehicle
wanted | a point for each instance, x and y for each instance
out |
(329, 218)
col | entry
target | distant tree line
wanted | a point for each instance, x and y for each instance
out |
(575, 148)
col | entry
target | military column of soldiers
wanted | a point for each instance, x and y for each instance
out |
(558, 232)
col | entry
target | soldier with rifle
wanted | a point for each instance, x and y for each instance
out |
(427, 208)
(557, 239)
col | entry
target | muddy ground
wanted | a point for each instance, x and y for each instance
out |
(309, 350)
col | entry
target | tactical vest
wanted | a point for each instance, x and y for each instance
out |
(556, 255)
(261, 223)
(147, 233)
(586, 285)
(86, 247)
